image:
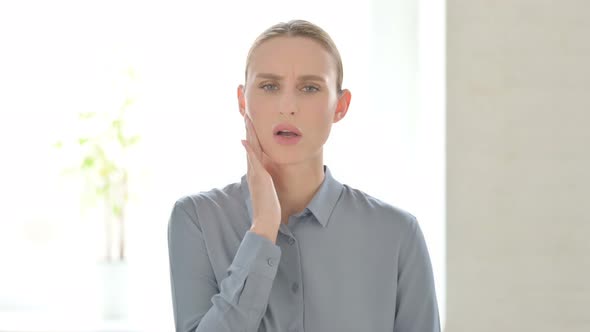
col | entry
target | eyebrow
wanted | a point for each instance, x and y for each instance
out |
(301, 78)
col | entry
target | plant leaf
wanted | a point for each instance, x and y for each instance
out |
(117, 210)
(88, 162)
(133, 140)
(86, 115)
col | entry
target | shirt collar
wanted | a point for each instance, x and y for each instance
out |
(321, 205)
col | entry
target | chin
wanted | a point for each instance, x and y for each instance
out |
(285, 156)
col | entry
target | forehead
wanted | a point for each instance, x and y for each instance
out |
(292, 56)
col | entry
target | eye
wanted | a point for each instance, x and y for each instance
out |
(269, 87)
(310, 88)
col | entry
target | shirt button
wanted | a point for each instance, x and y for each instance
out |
(270, 262)
(291, 241)
(294, 287)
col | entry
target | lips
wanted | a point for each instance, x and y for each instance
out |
(285, 128)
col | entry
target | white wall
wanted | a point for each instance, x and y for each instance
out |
(518, 152)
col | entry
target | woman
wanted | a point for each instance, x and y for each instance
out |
(290, 248)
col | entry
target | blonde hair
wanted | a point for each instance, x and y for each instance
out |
(300, 28)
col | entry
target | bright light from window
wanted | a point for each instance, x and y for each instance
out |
(61, 58)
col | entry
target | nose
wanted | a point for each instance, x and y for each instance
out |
(288, 104)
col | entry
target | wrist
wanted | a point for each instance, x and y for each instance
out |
(267, 232)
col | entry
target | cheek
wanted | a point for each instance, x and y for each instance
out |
(260, 111)
(321, 110)
(256, 104)
(320, 123)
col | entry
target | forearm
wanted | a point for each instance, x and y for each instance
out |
(240, 304)
(241, 300)
(265, 230)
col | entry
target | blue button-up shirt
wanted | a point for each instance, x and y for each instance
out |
(347, 262)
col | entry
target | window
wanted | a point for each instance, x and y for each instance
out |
(181, 62)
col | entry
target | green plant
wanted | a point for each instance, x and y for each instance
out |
(103, 161)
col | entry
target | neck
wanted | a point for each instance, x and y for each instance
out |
(296, 184)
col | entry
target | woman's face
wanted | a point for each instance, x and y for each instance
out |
(292, 80)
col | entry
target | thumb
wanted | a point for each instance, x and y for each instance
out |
(253, 161)
(268, 163)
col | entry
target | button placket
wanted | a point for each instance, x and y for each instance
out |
(293, 285)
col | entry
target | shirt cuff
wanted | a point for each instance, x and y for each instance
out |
(258, 255)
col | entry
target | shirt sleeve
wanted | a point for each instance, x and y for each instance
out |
(240, 300)
(416, 306)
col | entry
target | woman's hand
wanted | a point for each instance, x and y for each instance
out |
(266, 209)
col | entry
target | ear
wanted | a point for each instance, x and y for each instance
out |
(342, 106)
(241, 100)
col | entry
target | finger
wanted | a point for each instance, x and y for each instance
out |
(261, 156)
(250, 142)
(249, 137)
(262, 160)
(267, 162)
(247, 128)
(248, 162)
(256, 166)
(253, 160)
(255, 142)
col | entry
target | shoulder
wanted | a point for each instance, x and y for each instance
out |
(207, 202)
(373, 209)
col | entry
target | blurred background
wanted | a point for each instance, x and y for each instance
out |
(477, 114)
(112, 110)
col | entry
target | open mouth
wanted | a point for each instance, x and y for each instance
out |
(287, 137)
(286, 133)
